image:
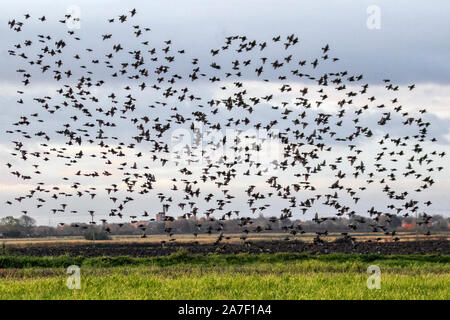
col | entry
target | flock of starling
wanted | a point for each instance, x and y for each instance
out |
(112, 116)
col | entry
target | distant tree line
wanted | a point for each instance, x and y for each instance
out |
(25, 226)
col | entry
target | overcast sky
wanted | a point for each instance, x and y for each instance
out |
(411, 46)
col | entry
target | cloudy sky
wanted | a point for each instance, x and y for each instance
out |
(410, 46)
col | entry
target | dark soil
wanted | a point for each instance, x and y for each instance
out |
(156, 249)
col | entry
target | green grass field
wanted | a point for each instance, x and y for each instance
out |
(243, 276)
